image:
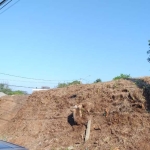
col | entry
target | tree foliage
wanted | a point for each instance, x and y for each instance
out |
(148, 52)
(61, 85)
(75, 82)
(5, 89)
(97, 80)
(122, 76)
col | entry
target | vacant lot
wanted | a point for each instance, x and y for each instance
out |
(43, 121)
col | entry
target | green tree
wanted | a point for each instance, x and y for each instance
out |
(74, 82)
(97, 80)
(122, 76)
(5, 89)
(18, 92)
(148, 52)
(61, 85)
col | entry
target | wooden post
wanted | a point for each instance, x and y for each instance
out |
(87, 135)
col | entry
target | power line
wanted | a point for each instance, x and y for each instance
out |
(2, 2)
(19, 86)
(44, 80)
(9, 6)
(5, 4)
(27, 81)
(32, 78)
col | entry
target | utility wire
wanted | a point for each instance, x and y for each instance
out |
(19, 86)
(28, 81)
(5, 5)
(44, 80)
(3, 1)
(9, 6)
(31, 78)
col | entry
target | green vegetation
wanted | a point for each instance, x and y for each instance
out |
(122, 76)
(5, 89)
(97, 80)
(61, 85)
(148, 52)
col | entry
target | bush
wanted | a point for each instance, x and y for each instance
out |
(61, 85)
(74, 82)
(122, 76)
(5, 89)
(18, 93)
(97, 80)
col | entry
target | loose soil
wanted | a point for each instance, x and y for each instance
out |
(44, 120)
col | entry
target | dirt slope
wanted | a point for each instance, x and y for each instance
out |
(9, 107)
(120, 118)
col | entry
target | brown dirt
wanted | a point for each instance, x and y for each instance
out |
(120, 117)
(9, 107)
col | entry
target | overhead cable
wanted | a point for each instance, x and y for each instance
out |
(28, 81)
(19, 86)
(9, 6)
(2, 2)
(5, 4)
(31, 78)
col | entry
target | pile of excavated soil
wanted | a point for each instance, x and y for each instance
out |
(9, 107)
(120, 117)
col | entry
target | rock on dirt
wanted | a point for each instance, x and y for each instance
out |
(44, 121)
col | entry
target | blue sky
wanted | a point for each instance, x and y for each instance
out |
(67, 40)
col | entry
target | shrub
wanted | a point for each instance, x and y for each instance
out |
(97, 80)
(61, 85)
(5, 89)
(122, 76)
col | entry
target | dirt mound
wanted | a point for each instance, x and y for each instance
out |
(9, 107)
(120, 117)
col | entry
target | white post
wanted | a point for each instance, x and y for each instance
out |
(87, 135)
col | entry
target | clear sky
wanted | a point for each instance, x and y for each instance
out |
(73, 39)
